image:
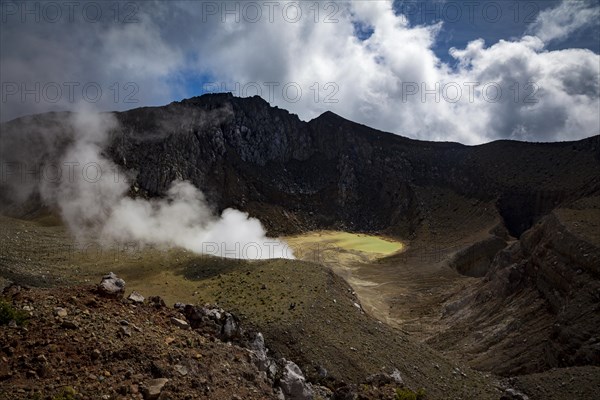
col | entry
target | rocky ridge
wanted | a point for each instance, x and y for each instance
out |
(91, 343)
(544, 293)
(325, 173)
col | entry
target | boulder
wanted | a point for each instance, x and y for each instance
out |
(153, 388)
(263, 361)
(214, 320)
(231, 328)
(135, 297)
(112, 286)
(513, 394)
(60, 312)
(346, 392)
(395, 375)
(180, 323)
(70, 325)
(383, 378)
(293, 383)
(157, 302)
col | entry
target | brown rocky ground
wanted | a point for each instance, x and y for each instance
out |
(323, 331)
(326, 331)
(99, 348)
(75, 343)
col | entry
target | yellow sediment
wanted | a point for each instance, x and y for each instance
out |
(360, 245)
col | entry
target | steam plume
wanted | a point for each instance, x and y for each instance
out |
(92, 198)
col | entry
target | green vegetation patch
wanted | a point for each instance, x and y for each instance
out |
(407, 394)
(9, 313)
(67, 393)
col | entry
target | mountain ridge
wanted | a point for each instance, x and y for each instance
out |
(286, 169)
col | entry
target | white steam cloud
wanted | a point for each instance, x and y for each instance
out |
(93, 201)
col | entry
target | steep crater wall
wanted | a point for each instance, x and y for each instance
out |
(475, 260)
(521, 210)
(538, 306)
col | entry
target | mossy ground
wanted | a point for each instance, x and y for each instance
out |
(306, 312)
(9, 313)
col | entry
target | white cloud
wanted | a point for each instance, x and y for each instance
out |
(546, 95)
(371, 79)
(559, 22)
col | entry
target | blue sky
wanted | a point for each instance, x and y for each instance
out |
(491, 21)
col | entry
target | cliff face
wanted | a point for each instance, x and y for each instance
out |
(550, 259)
(331, 172)
(245, 154)
(326, 173)
(538, 305)
(564, 269)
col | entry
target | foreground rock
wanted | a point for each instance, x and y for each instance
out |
(180, 323)
(135, 297)
(153, 388)
(293, 383)
(60, 312)
(112, 286)
(512, 394)
(167, 359)
(89, 356)
(382, 378)
(214, 320)
(263, 361)
(289, 380)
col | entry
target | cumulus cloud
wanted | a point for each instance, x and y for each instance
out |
(559, 22)
(390, 79)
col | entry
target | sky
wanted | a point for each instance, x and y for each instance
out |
(464, 71)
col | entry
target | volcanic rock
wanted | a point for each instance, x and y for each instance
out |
(112, 286)
(135, 297)
(153, 388)
(293, 383)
